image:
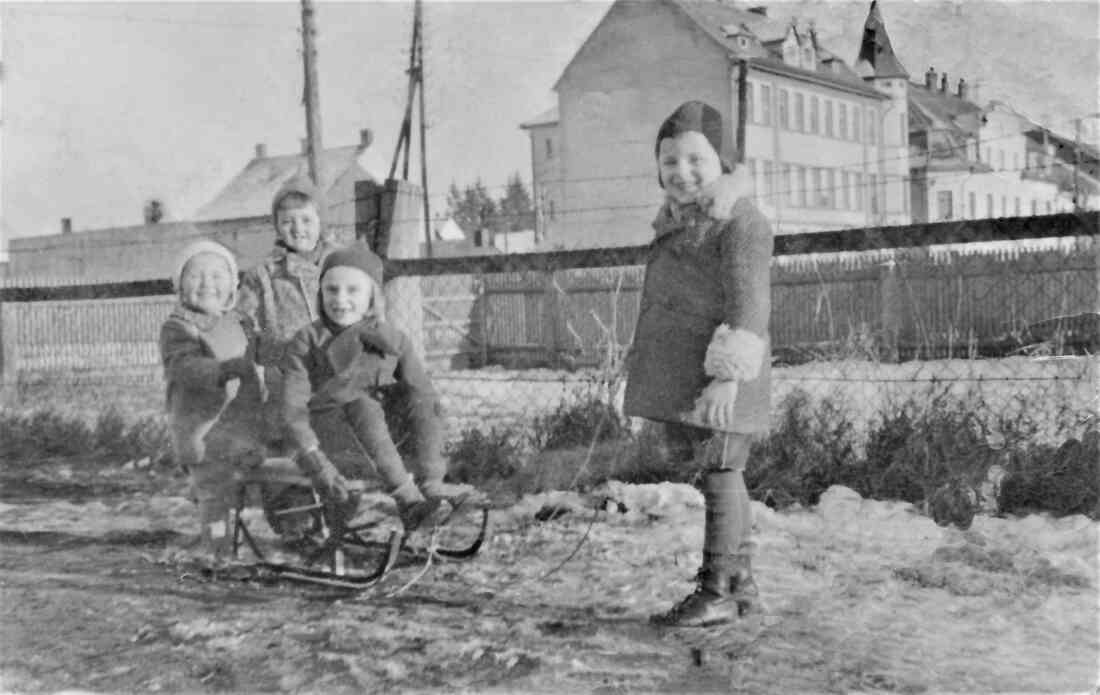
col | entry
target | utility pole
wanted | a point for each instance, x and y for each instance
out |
(418, 21)
(1076, 164)
(742, 107)
(310, 97)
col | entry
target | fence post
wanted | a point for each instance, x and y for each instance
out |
(483, 318)
(388, 218)
(9, 348)
(551, 313)
(890, 293)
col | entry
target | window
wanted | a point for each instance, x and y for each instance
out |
(871, 133)
(1015, 161)
(1001, 160)
(1049, 209)
(781, 109)
(828, 197)
(549, 148)
(989, 205)
(750, 112)
(943, 205)
(799, 108)
(872, 191)
(785, 184)
(765, 104)
(855, 124)
(802, 186)
(846, 191)
(769, 189)
(857, 190)
(971, 154)
(828, 118)
(815, 187)
(842, 120)
(973, 206)
(1016, 206)
(903, 130)
(808, 58)
(1034, 207)
(813, 115)
(553, 216)
(1004, 206)
(988, 156)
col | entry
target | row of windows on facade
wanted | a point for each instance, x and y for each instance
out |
(814, 115)
(813, 187)
(945, 206)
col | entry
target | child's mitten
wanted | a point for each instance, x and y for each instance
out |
(332, 486)
(236, 368)
(719, 197)
(714, 408)
(378, 335)
(734, 353)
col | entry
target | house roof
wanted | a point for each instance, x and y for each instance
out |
(547, 117)
(251, 190)
(932, 109)
(722, 22)
(876, 54)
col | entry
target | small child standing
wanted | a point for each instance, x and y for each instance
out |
(213, 393)
(279, 294)
(336, 370)
(699, 362)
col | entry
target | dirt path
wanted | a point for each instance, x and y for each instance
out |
(861, 597)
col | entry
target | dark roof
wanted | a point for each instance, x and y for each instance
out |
(1063, 147)
(931, 109)
(876, 54)
(250, 191)
(547, 117)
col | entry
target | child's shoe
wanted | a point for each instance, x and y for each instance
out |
(413, 508)
(455, 494)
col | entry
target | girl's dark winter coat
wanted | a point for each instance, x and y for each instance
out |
(701, 273)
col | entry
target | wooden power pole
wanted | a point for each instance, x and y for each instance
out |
(311, 98)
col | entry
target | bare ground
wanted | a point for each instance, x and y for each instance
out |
(98, 594)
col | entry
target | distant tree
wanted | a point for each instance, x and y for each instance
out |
(472, 208)
(516, 208)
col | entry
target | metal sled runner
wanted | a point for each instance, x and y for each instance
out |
(340, 543)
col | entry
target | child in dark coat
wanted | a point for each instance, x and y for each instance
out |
(213, 393)
(700, 359)
(335, 372)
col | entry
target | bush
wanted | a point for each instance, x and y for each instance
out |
(1063, 481)
(477, 457)
(578, 424)
(149, 437)
(812, 448)
(44, 434)
(110, 433)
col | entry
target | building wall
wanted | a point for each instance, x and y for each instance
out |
(810, 175)
(546, 179)
(611, 101)
(130, 253)
(960, 195)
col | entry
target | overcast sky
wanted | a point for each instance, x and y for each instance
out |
(108, 104)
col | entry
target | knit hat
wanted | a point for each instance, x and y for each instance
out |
(205, 246)
(701, 118)
(303, 186)
(356, 255)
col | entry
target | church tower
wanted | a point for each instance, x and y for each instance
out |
(888, 159)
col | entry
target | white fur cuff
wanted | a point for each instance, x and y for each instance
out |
(734, 353)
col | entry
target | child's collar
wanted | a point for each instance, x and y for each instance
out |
(199, 319)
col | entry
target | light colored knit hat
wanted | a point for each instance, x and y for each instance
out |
(206, 246)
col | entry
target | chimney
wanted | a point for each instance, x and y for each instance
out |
(930, 79)
(760, 10)
(366, 137)
(943, 83)
(66, 225)
(962, 88)
(261, 150)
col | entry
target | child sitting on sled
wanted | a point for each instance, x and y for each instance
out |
(213, 393)
(335, 372)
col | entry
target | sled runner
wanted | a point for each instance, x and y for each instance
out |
(342, 545)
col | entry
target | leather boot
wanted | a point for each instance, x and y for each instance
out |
(710, 604)
(742, 587)
(413, 508)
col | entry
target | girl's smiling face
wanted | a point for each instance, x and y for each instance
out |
(206, 285)
(687, 164)
(298, 224)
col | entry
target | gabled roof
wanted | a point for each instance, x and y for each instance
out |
(250, 191)
(932, 109)
(876, 55)
(547, 117)
(723, 21)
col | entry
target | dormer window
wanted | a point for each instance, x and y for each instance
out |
(808, 58)
(742, 42)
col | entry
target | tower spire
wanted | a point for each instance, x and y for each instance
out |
(876, 55)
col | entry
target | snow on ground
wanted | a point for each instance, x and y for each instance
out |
(861, 596)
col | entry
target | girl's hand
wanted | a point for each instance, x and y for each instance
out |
(714, 408)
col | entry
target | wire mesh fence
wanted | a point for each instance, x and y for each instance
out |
(1005, 311)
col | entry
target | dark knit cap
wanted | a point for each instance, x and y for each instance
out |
(356, 255)
(701, 118)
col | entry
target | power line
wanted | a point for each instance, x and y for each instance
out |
(149, 20)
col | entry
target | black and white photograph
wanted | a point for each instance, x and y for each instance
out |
(592, 347)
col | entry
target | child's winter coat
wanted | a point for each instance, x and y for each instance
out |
(701, 273)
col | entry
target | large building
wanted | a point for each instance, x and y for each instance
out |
(829, 145)
(826, 144)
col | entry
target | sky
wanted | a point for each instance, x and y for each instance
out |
(106, 105)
